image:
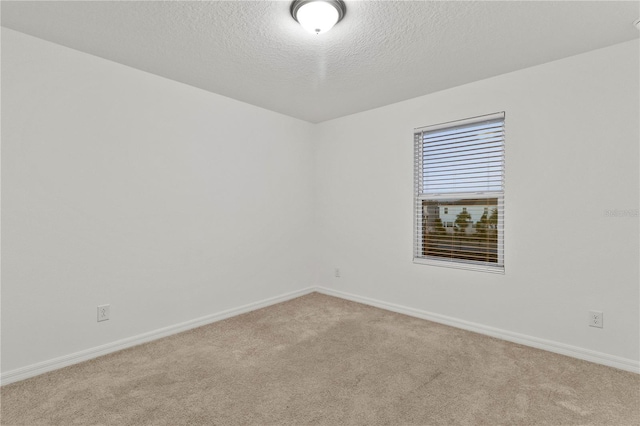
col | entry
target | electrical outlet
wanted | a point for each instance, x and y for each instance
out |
(103, 312)
(337, 272)
(596, 319)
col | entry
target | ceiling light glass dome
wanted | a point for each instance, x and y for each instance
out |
(318, 16)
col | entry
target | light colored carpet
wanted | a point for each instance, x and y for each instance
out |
(319, 360)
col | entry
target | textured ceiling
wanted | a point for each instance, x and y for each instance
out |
(382, 52)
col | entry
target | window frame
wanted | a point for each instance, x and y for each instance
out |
(450, 196)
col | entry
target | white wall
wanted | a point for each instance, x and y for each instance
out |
(572, 138)
(167, 202)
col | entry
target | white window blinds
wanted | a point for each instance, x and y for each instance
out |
(459, 193)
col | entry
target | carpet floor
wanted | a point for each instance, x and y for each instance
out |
(320, 360)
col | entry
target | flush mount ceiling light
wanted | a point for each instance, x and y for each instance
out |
(318, 16)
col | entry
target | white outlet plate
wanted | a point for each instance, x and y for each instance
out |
(596, 319)
(103, 312)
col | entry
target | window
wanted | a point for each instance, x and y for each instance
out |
(459, 171)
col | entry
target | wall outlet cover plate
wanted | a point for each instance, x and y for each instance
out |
(103, 312)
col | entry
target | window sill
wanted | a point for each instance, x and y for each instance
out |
(469, 266)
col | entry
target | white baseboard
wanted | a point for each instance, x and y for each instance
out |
(87, 354)
(547, 345)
